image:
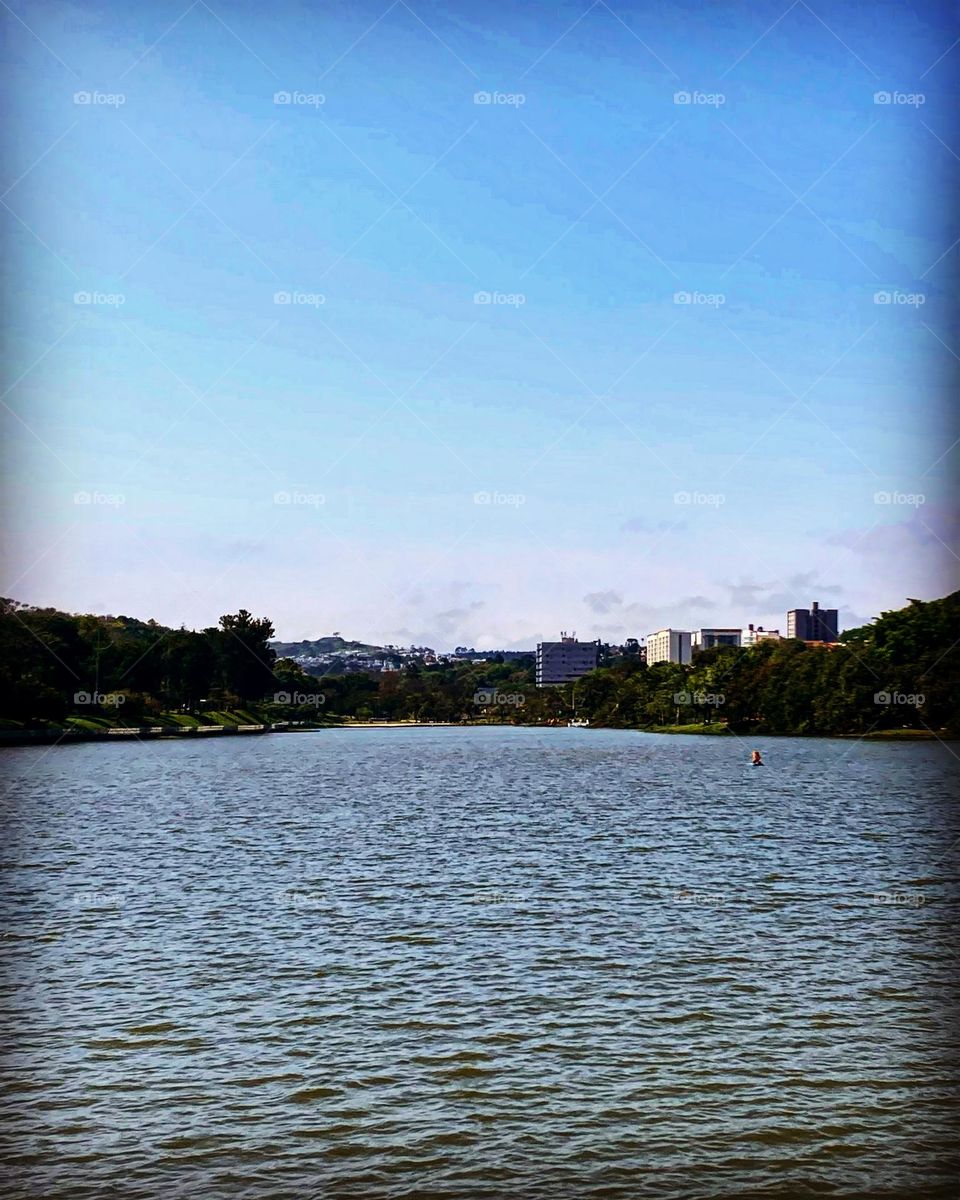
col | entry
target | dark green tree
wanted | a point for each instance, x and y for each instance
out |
(244, 656)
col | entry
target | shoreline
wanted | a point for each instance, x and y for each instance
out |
(139, 733)
(135, 733)
(408, 725)
(53, 737)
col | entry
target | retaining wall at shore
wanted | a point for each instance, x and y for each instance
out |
(40, 737)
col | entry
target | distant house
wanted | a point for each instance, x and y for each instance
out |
(753, 635)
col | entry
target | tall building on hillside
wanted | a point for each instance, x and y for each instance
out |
(703, 639)
(813, 624)
(668, 645)
(564, 661)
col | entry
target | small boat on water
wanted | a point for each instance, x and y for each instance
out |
(576, 722)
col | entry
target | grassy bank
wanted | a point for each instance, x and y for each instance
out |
(713, 728)
(116, 725)
(881, 735)
(903, 735)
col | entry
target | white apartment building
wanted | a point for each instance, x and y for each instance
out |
(668, 645)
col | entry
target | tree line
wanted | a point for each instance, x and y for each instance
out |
(901, 670)
(54, 663)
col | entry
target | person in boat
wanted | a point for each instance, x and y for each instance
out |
(755, 759)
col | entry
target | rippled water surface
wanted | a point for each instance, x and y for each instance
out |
(464, 963)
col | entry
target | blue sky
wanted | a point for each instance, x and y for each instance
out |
(387, 457)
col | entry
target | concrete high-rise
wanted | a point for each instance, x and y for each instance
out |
(565, 661)
(813, 624)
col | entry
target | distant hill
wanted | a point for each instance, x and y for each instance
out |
(320, 647)
(335, 655)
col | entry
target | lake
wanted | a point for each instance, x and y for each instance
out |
(490, 962)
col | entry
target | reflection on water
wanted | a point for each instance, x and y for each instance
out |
(479, 963)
